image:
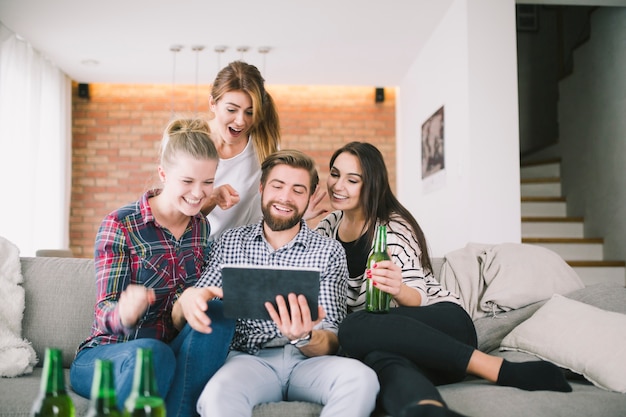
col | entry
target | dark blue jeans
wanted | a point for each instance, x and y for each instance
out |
(182, 368)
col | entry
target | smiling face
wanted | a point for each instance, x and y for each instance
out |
(344, 183)
(188, 182)
(285, 197)
(233, 116)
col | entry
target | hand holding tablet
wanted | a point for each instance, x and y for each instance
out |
(247, 288)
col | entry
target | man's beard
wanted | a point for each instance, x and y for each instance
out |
(278, 224)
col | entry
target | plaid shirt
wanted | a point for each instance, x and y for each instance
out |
(247, 245)
(132, 248)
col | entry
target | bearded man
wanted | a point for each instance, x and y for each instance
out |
(291, 357)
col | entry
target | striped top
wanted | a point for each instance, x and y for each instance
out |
(405, 252)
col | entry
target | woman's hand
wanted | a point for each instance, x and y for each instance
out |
(225, 196)
(133, 303)
(191, 307)
(387, 277)
(315, 208)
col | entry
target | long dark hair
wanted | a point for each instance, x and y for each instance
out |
(241, 76)
(377, 199)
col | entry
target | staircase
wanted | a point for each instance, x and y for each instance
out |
(545, 223)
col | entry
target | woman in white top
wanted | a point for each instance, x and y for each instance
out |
(245, 129)
(427, 339)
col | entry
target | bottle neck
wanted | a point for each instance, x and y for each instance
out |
(144, 382)
(54, 379)
(103, 388)
(380, 241)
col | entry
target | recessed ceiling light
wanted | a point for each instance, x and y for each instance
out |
(90, 62)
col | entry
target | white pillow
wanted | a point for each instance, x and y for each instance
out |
(574, 335)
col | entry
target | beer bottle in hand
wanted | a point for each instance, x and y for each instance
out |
(377, 301)
(103, 399)
(144, 399)
(53, 399)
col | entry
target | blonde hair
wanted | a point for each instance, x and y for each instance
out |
(265, 130)
(191, 136)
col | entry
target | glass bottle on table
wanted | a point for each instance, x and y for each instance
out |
(103, 399)
(144, 399)
(53, 399)
(377, 301)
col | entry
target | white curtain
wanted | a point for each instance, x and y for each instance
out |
(35, 148)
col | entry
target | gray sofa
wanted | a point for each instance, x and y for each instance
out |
(59, 307)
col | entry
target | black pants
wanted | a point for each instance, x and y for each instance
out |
(412, 349)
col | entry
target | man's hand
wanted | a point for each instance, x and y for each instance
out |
(191, 307)
(298, 323)
(133, 303)
(295, 322)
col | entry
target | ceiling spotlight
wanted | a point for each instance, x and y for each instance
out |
(197, 48)
(243, 50)
(175, 50)
(264, 50)
(220, 49)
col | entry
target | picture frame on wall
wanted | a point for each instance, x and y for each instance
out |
(433, 151)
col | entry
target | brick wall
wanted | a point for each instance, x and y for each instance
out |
(117, 131)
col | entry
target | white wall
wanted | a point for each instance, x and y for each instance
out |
(468, 66)
(592, 106)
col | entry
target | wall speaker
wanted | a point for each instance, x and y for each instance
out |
(83, 90)
(380, 94)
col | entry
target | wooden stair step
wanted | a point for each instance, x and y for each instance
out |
(576, 240)
(545, 180)
(596, 263)
(541, 162)
(553, 219)
(542, 199)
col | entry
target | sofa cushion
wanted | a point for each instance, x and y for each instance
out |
(287, 409)
(67, 303)
(491, 330)
(577, 336)
(17, 395)
(480, 398)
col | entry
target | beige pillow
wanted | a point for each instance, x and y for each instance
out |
(517, 275)
(574, 335)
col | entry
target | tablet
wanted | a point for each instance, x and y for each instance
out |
(247, 288)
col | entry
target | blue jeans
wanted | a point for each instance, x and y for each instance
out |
(182, 368)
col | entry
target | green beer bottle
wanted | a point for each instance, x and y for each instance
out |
(103, 400)
(144, 399)
(377, 301)
(53, 399)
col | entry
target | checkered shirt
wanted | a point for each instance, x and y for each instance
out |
(247, 245)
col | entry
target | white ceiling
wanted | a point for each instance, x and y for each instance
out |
(348, 42)
(326, 42)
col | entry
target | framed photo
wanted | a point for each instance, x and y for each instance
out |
(433, 157)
